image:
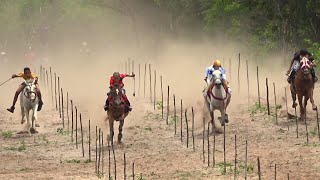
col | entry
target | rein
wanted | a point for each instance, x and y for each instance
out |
(218, 98)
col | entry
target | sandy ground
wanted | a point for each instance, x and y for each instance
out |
(157, 152)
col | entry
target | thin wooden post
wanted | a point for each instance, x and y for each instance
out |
(154, 90)
(48, 87)
(246, 162)
(150, 83)
(259, 169)
(124, 166)
(185, 115)
(145, 77)
(115, 162)
(258, 83)
(96, 149)
(230, 69)
(81, 135)
(224, 150)
(318, 123)
(59, 96)
(109, 164)
(194, 148)
(305, 122)
(89, 148)
(102, 154)
(68, 110)
(248, 83)
(275, 172)
(139, 79)
(175, 114)
(55, 90)
(181, 121)
(203, 132)
(286, 99)
(76, 127)
(208, 141)
(214, 146)
(99, 149)
(235, 157)
(51, 87)
(161, 97)
(168, 104)
(62, 109)
(275, 103)
(239, 75)
(71, 120)
(133, 175)
(297, 128)
(268, 105)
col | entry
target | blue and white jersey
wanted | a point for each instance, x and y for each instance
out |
(210, 70)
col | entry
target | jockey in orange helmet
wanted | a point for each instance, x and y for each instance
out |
(117, 78)
(217, 66)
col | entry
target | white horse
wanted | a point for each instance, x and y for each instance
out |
(29, 101)
(217, 98)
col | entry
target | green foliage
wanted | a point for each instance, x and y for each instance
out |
(7, 134)
(61, 131)
(73, 161)
(22, 147)
(159, 105)
(148, 128)
(255, 109)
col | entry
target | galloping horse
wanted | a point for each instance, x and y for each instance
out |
(303, 86)
(29, 101)
(218, 98)
(117, 111)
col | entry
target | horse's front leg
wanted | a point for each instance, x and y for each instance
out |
(23, 114)
(294, 98)
(121, 122)
(111, 122)
(28, 120)
(302, 110)
(212, 119)
(34, 119)
(223, 116)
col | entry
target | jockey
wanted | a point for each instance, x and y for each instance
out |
(26, 75)
(117, 78)
(295, 65)
(217, 66)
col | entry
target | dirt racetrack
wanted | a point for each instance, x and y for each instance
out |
(151, 144)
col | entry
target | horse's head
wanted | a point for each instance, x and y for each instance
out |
(305, 65)
(30, 90)
(217, 78)
(116, 94)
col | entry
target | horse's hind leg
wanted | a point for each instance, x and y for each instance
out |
(121, 122)
(34, 118)
(314, 107)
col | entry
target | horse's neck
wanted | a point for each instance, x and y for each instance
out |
(219, 92)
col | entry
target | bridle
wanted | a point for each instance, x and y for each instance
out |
(213, 84)
(27, 93)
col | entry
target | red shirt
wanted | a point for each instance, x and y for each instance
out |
(112, 82)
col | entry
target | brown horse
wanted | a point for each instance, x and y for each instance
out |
(117, 111)
(303, 86)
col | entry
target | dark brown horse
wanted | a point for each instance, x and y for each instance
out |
(303, 86)
(117, 111)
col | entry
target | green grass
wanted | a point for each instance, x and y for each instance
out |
(140, 177)
(22, 147)
(7, 134)
(73, 161)
(62, 132)
(148, 128)
(255, 109)
(230, 168)
(159, 105)
(24, 169)
(88, 161)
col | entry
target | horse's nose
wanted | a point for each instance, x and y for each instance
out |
(218, 82)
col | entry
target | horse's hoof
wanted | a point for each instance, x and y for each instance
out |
(23, 121)
(314, 108)
(226, 120)
(37, 125)
(294, 105)
(33, 131)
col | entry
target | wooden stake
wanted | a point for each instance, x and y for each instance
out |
(259, 169)
(185, 115)
(154, 90)
(76, 127)
(59, 96)
(181, 121)
(89, 148)
(194, 148)
(62, 108)
(235, 157)
(145, 77)
(168, 106)
(81, 136)
(268, 105)
(71, 120)
(203, 132)
(150, 83)
(161, 97)
(246, 162)
(275, 103)
(175, 114)
(318, 123)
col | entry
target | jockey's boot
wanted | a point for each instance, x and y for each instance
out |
(314, 77)
(106, 106)
(129, 106)
(11, 109)
(291, 76)
(40, 105)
